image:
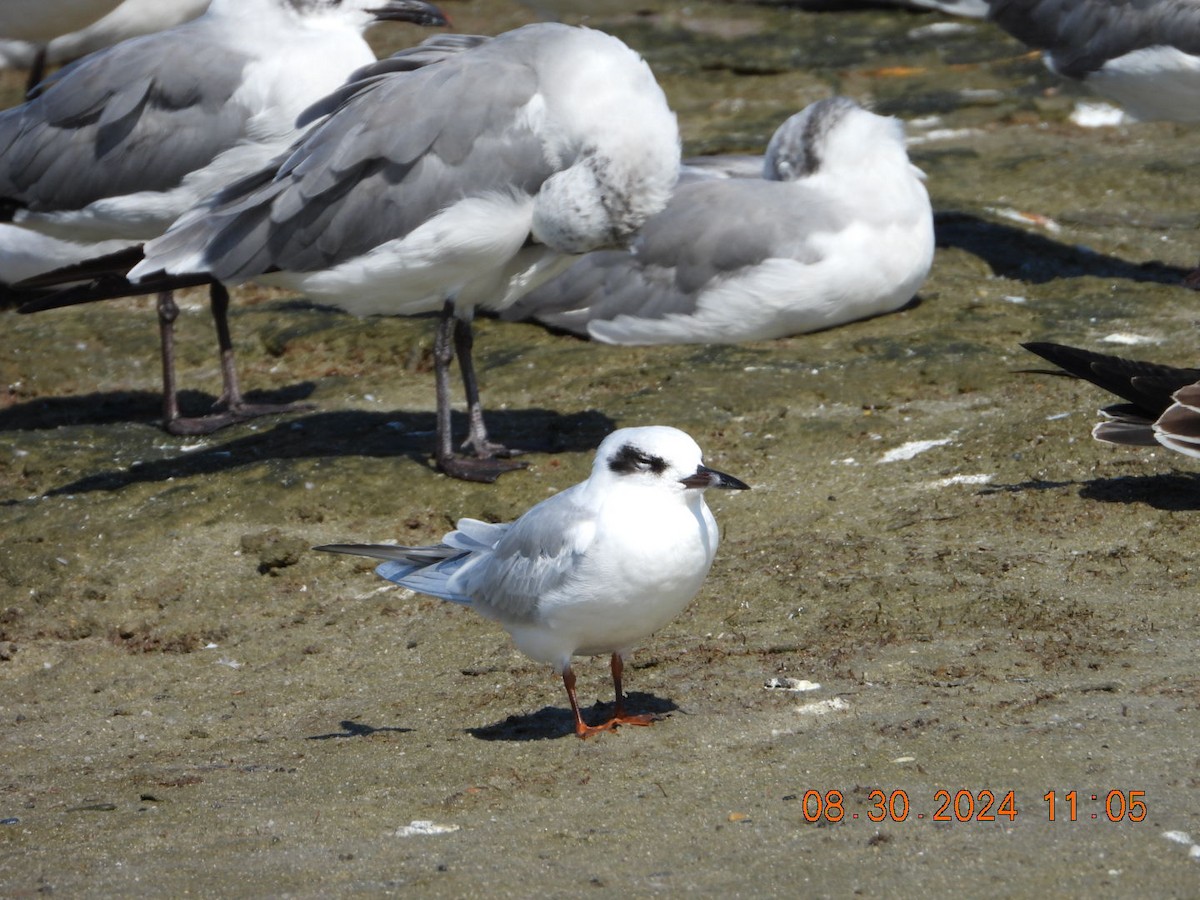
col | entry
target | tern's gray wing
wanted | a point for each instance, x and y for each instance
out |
(709, 231)
(424, 569)
(536, 555)
(1081, 35)
(135, 117)
(399, 150)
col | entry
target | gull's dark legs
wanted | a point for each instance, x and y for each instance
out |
(231, 406)
(168, 312)
(443, 355)
(231, 392)
(477, 439)
(454, 336)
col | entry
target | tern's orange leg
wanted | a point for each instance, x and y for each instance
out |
(582, 728)
(621, 717)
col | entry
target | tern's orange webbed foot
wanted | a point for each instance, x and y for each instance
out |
(583, 730)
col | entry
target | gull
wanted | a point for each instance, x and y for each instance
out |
(594, 569)
(1162, 402)
(117, 145)
(460, 184)
(836, 227)
(1144, 55)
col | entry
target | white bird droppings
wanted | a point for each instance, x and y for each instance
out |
(911, 449)
(424, 826)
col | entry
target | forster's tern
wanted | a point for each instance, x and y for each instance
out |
(591, 570)
(836, 227)
(1162, 402)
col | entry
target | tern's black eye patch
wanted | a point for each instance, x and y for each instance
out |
(630, 459)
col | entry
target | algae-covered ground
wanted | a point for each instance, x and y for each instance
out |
(191, 701)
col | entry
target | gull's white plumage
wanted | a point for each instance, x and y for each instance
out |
(593, 569)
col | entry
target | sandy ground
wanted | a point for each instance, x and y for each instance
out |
(191, 701)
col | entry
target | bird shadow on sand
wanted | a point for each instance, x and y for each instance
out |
(1012, 252)
(1168, 491)
(354, 433)
(552, 722)
(352, 729)
(108, 408)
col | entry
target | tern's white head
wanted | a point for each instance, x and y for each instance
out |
(657, 456)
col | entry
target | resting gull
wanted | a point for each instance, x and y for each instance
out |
(838, 227)
(117, 145)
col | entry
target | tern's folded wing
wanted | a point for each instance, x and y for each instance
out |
(537, 554)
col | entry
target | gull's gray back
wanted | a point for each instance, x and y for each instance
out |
(386, 162)
(709, 230)
(118, 122)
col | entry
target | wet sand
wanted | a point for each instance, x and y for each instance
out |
(191, 701)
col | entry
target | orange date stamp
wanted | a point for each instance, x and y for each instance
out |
(976, 806)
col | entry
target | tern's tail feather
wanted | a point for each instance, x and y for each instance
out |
(426, 570)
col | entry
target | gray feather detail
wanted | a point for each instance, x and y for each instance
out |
(535, 556)
(373, 172)
(710, 230)
(501, 570)
(429, 51)
(98, 128)
(431, 580)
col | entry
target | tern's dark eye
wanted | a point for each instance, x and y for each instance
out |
(630, 459)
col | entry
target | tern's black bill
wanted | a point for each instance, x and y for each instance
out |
(711, 478)
(414, 11)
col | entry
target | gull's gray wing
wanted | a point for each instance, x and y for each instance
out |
(383, 163)
(135, 117)
(1081, 35)
(536, 555)
(728, 165)
(429, 51)
(709, 231)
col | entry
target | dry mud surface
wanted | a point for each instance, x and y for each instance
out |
(191, 701)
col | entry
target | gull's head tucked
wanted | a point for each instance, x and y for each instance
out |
(657, 456)
(832, 134)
